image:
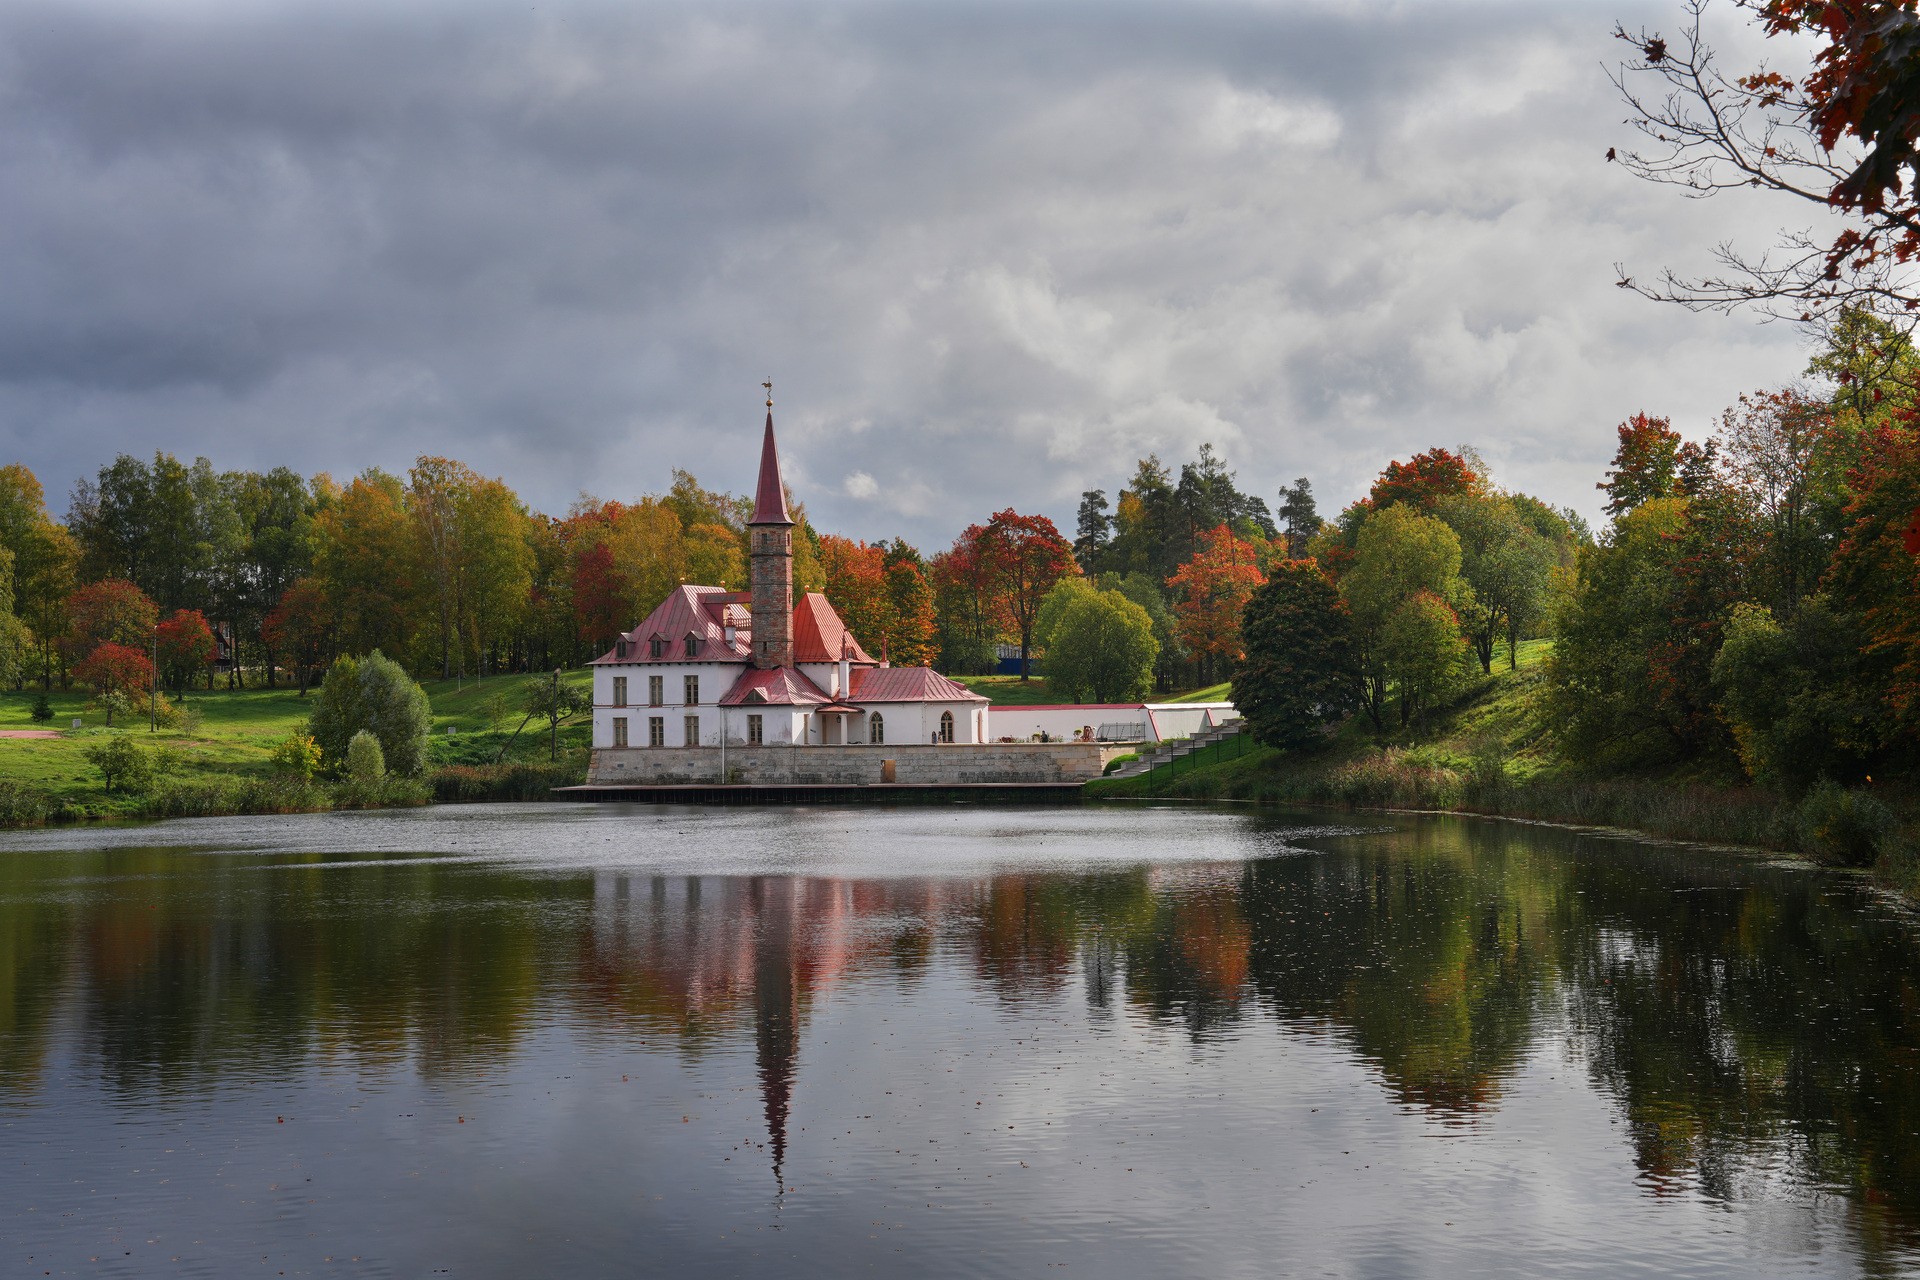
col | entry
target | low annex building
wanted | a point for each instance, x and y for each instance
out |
(754, 686)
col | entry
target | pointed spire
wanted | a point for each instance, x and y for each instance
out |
(770, 498)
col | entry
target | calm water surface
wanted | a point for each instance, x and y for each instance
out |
(598, 1040)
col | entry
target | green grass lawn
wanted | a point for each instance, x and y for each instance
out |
(229, 733)
(1212, 693)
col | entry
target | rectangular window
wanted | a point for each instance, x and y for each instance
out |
(756, 730)
(619, 731)
(620, 692)
(656, 731)
(692, 690)
(656, 690)
(692, 724)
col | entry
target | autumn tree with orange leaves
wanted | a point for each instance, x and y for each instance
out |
(1210, 597)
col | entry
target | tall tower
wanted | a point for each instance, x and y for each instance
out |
(770, 569)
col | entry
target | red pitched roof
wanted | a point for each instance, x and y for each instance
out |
(778, 686)
(770, 496)
(908, 684)
(818, 632)
(702, 612)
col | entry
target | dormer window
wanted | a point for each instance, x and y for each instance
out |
(693, 645)
(657, 647)
(620, 647)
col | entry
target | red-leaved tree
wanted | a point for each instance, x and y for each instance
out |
(1024, 556)
(185, 646)
(1646, 464)
(115, 668)
(111, 610)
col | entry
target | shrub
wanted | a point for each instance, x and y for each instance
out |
(22, 805)
(297, 754)
(42, 709)
(1841, 827)
(472, 783)
(365, 761)
(387, 792)
(121, 761)
(1119, 761)
(374, 694)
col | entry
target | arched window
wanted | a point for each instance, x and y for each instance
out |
(946, 726)
(876, 728)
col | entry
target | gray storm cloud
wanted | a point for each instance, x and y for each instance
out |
(989, 253)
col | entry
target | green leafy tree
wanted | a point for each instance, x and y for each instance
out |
(1787, 691)
(1101, 648)
(372, 693)
(1505, 562)
(365, 761)
(1300, 673)
(1146, 592)
(555, 701)
(1423, 652)
(1646, 464)
(122, 763)
(1601, 699)
(1069, 589)
(1398, 554)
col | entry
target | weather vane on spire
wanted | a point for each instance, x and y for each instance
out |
(768, 384)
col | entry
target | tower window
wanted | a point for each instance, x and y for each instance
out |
(946, 726)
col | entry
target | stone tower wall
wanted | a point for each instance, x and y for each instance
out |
(770, 571)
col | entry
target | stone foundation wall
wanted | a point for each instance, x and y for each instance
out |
(944, 765)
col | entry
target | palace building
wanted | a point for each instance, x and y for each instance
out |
(712, 668)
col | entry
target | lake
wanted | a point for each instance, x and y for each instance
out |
(953, 1041)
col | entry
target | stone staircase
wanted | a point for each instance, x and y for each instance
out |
(1168, 752)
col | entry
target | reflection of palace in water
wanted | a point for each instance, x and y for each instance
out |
(695, 954)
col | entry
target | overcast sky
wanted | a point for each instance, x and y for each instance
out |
(988, 253)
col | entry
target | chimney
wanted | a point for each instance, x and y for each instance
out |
(846, 667)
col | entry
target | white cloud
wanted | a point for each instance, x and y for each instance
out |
(861, 485)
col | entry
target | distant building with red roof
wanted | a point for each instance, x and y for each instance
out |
(760, 668)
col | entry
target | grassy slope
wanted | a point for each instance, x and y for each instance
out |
(236, 730)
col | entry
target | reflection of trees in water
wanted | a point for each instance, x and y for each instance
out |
(1428, 958)
(1740, 1016)
(1740, 1023)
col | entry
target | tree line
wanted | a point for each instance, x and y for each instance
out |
(190, 575)
(1749, 609)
